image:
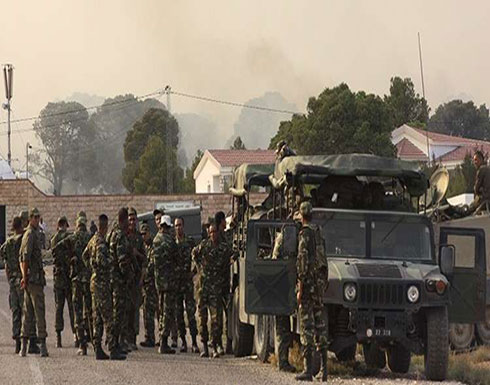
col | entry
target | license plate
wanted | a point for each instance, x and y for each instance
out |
(382, 332)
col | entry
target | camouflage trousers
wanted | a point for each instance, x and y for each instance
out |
(16, 303)
(82, 309)
(214, 306)
(313, 320)
(61, 295)
(129, 329)
(225, 300)
(150, 305)
(34, 310)
(119, 307)
(185, 299)
(283, 333)
(102, 314)
(166, 302)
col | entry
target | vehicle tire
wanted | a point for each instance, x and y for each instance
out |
(374, 357)
(399, 358)
(262, 337)
(483, 330)
(347, 354)
(243, 334)
(461, 336)
(436, 354)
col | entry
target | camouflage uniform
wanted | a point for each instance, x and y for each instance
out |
(210, 260)
(150, 297)
(185, 285)
(10, 254)
(164, 254)
(134, 289)
(121, 258)
(62, 284)
(226, 237)
(98, 256)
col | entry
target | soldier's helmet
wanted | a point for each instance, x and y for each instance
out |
(81, 214)
(34, 212)
(24, 215)
(81, 221)
(62, 220)
(305, 209)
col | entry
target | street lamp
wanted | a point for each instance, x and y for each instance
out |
(28, 146)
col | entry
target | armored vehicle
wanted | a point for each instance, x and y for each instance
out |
(390, 288)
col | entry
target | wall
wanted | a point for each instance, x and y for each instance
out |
(21, 194)
(206, 177)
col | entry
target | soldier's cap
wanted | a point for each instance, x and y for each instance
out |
(63, 219)
(157, 211)
(145, 228)
(166, 220)
(305, 209)
(34, 212)
(16, 222)
(81, 221)
(81, 213)
(24, 215)
(132, 211)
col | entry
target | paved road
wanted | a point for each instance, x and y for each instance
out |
(145, 366)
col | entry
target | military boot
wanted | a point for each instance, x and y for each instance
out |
(220, 350)
(125, 346)
(44, 349)
(58, 340)
(183, 349)
(76, 342)
(323, 374)
(307, 372)
(229, 346)
(99, 353)
(205, 349)
(148, 343)
(33, 348)
(286, 367)
(115, 355)
(82, 350)
(23, 349)
(164, 348)
(18, 343)
(195, 348)
(216, 351)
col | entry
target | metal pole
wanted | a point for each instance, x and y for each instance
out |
(28, 146)
(423, 95)
(8, 75)
(9, 153)
(170, 182)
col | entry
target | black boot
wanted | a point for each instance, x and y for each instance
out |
(164, 348)
(286, 367)
(205, 349)
(323, 374)
(33, 348)
(58, 339)
(99, 353)
(18, 343)
(148, 343)
(229, 346)
(307, 373)
(76, 342)
(23, 349)
(183, 349)
(195, 348)
(82, 350)
(116, 355)
(44, 348)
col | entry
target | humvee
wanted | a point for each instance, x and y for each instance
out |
(390, 288)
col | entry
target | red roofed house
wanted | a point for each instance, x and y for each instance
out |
(411, 144)
(214, 171)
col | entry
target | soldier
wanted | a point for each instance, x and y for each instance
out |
(164, 254)
(10, 254)
(150, 298)
(98, 256)
(210, 256)
(62, 284)
(312, 275)
(119, 249)
(185, 282)
(482, 181)
(33, 282)
(80, 280)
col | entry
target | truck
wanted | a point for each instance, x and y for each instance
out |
(392, 288)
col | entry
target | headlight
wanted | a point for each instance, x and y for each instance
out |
(413, 294)
(350, 292)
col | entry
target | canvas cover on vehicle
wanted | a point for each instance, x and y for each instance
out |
(313, 168)
(248, 175)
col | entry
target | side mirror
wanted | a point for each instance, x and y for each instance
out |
(447, 259)
(290, 241)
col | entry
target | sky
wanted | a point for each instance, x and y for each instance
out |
(237, 50)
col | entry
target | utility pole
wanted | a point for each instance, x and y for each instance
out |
(28, 146)
(423, 95)
(8, 76)
(170, 182)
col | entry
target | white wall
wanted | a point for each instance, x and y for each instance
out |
(206, 178)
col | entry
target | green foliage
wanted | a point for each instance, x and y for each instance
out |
(457, 184)
(189, 184)
(238, 144)
(406, 106)
(469, 172)
(340, 121)
(458, 118)
(146, 151)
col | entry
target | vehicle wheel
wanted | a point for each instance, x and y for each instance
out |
(399, 359)
(461, 336)
(347, 354)
(243, 334)
(374, 357)
(262, 337)
(483, 330)
(436, 355)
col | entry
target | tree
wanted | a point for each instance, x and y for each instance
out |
(189, 184)
(462, 119)
(68, 140)
(406, 105)
(340, 121)
(155, 123)
(469, 172)
(238, 144)
(458, 183)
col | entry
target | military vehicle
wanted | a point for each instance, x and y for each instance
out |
(390, 288)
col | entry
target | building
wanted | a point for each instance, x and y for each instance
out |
(214, 172)
(415, 144)
(5, 170)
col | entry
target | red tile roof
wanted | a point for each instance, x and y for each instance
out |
(407, 150)
(459, 153)
(443, 138)
(233, 158)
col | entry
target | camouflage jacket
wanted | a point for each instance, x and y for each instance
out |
(164, 254)
(75, 244)
(97, 255)
(61, 258)
(311, 264)
(119, 249)
(9, 252)
(183, 269)
(138, 259)
(150, 265)
(30, 252)
(211, 260)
